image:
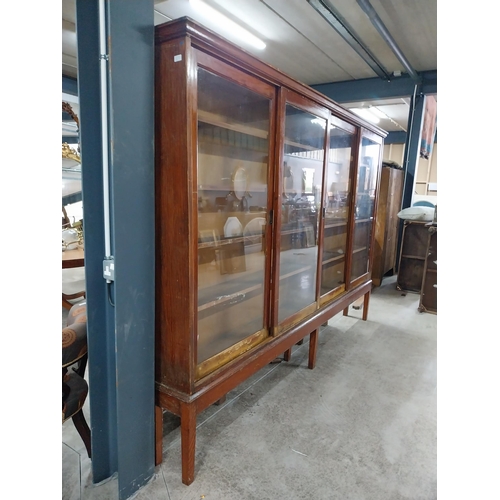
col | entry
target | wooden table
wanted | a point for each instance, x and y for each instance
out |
(73, 258)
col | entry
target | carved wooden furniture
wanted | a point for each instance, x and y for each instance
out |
(73, 258)
(265, 206)
(386, 227)
(428, 292)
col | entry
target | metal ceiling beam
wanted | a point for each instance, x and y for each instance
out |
(369, 89)
(333, 17)
(384, 33)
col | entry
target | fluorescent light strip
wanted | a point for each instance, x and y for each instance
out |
(384, 116)
(226, 24)
(378, 112)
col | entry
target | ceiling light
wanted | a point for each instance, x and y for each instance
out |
(227, 25)
(366, 114)
(377, 112)
(384, 116)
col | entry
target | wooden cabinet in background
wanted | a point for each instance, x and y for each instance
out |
(386, 228)
(428, 292)
(266, 197)
(413, 255)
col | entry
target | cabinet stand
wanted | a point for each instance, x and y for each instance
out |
(232, 376)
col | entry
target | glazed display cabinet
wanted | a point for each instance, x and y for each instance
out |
(265, 208)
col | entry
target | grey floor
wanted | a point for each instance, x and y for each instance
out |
(360, 426)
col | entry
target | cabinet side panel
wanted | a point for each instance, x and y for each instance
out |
(392, 220)
(379, 248)
(175, 267)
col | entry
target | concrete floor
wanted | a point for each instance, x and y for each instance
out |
(360, 426)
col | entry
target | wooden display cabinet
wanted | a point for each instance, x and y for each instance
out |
(264, 220)
(386, 228)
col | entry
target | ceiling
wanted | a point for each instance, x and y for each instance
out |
(301, 43)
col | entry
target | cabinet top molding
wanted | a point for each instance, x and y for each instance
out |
(210, 42)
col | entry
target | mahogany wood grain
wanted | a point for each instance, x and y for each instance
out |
(277, 201)
(366, 303)
(353, 183)
(218, 383)
(219, 67)
(175, 257)
(207, 41)
(229, 377)
(182, 46)
(287, 355)
(387, 223)
(313, 348)
(188, 441)
(73, 258)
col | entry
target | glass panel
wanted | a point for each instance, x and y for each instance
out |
(233, 149)
(336, 209)
(365, 203)
(301, 201)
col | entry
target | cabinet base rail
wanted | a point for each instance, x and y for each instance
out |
(187, 407)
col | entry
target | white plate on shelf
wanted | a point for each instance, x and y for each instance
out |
(253, 230)
(233, 227)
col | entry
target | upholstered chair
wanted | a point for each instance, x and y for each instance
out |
(74, 361)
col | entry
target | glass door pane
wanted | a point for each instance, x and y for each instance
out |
(367, 176)
(301, 202)
(336, 203)
(233, 154)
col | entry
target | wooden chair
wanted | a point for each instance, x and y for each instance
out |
(74, 362)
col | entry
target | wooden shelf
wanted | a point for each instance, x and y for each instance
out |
(418, 257)
(219, 121)
(332, 257)
(301, 146)
(230, 299)
(329, 225)
(294, 231)
(360, 249)
(222, 242)
(230, 292)
(227, 188)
